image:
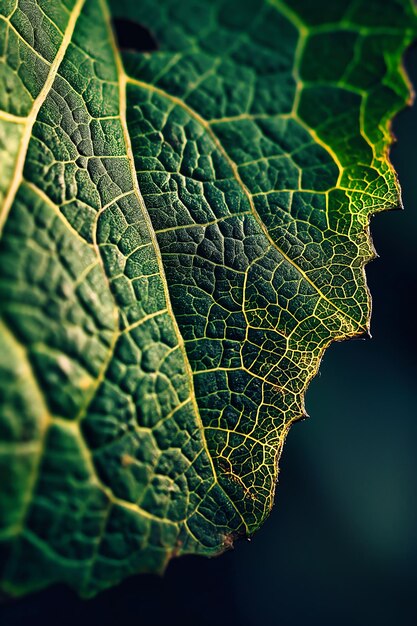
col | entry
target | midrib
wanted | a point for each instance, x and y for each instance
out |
(123, 80)
(30, 120)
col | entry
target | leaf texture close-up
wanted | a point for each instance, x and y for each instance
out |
(184, 231)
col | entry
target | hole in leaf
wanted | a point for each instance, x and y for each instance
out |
(133, 36)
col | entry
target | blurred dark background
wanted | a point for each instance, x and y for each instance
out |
(340, 547)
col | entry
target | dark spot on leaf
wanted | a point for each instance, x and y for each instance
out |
(133, 36)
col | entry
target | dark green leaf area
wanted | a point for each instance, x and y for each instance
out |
(183, 232)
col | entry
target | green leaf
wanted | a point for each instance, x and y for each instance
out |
(184, 231)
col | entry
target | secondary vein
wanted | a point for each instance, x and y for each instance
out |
(206, 125)
(30, 120)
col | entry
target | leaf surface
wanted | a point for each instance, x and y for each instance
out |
(184, 231)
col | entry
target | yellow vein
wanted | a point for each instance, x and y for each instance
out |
(73, 427)
(123, 80)
(10, 25)
(43, 419)
(143, 320)
(47, 200)
(246, 191)
(30, 120)
(10, 117)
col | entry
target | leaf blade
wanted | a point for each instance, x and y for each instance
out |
(162, 231)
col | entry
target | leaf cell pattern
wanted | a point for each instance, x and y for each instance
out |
(183, 234)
